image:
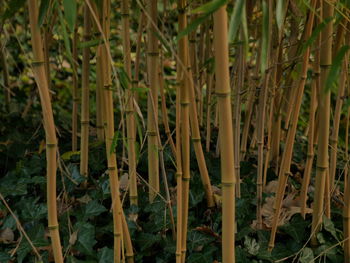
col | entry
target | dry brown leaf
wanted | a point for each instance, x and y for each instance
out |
(124, 182)
(84, 199)
(6, 235)
(73, 238)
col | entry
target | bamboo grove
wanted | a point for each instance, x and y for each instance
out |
(249, 81)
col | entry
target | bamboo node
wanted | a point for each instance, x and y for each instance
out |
(227, 184)
(153, 54)
(37, 63)
(178, 175)
(321, 168)
(124, 14)
(117, 234)
(223, 94)
(152, 133)
(186, 179)
(310, 156)
(333, 140)
(53, 227)
(51, 145)
(111, 168)
(84, 122)
(196, 139)
(185, 103)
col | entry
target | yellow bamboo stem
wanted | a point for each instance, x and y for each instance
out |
(85, 115)
(225, 134)
(49, 125)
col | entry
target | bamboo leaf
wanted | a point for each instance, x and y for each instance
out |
(70, 12)
(236, 19)
(265, 37)
(315, 33)
(192, 26)
(245, 30)
(67, 155)
(90, 43)
(65, 38)
(13, 7)
(206, 10)
(335, 68)
(210, 7)
(44, 6)
(279, 13)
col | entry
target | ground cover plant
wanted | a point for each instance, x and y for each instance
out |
(174, 131)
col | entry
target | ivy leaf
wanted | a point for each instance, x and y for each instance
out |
(93, 208)
(307, 255)
(70, 13)
(329, 227)
(251, 245)
(86, 237)
(206, 256)
(146, 240)
(105, 255)
(296, 228)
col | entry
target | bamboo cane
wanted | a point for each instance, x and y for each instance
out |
(324, 118)
(49, 125)
(225, 134)
(129, 97)
(184, 81)
(85, 101)
(287, 154)
(152, 63)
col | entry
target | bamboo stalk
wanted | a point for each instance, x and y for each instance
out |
(107, 103)
(129, 97)
(75, 91)
(324, 118)
(225, 134)
(184, 81)
(310, 152)
(49, 125)
(6, 77)
(178, 171)
(85, 100)
(152, 63)
(346, 209)
(336, 119)
(287, 154)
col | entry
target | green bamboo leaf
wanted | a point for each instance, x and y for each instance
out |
(315, 33)
(206, 9)
(67, 155)
(13, 7)
(44, 6)
(65, 38)
(245, 30)
(90, 43)
(115, 141)
(192, 26)
(70, 13)
(210, 7)
(279, 13)
(335, 68)
(265, 37)
(235, 20)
